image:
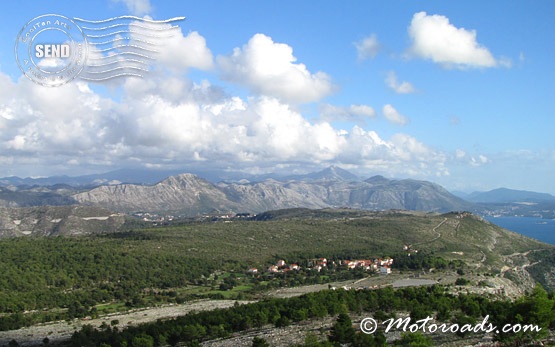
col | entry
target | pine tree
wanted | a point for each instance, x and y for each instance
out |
(342, 331)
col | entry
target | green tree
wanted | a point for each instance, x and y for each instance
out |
(414, 340)
(537, 309)
(142, 340)
(342, 331)
(367, 340)
(282, 321)
(461, 281)
(463, 320)
(311, 340)
(259, 342)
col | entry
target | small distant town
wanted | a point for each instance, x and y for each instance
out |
(160, 219)
(377, 265)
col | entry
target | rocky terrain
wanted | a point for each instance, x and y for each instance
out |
(184, 192)
(58, 220)
(190, 195)
(61, 331)
(208, 192)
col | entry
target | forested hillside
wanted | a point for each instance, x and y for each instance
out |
(53, 278)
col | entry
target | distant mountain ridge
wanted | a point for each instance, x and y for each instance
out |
(184, 192)
(193, 194)
(137, 176)
(333, 187)
(505, 195)
(328, 174)
(22, 196)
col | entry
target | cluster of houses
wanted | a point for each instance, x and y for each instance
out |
(153, 217)
(410, 250)
(383, 266)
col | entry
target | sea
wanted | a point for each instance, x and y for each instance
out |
(537, 228)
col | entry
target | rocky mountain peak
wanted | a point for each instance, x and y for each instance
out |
(190, 194)
(377, 180)
(184, 178)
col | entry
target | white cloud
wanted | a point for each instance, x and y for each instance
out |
(474, 161)
(479, 160)
(48, 124)
(269, 68)
(137, 7)
(362, 111)
(167, 50)
(409, 148)
(400, 155)
(18, 142)
(459, 154)
(181, 52)
(435, 38)
(354, 113)
(51, 63)
(166, 120)
(400, 88)
(368, 47)
(392, 115)
(71, 128)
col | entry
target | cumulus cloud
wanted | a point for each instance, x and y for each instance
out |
(71, 127)
(368, 47)
(392, 115)
(354, 113)
(181, 52)
(435, 38)
(137, 7)
(51, 126)
(150, 48)
(400, 88)
(402, 154)
(269, 68)
(166, 120)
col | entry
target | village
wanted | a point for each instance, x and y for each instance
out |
(376, 265)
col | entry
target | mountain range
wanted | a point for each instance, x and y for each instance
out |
(188, 194)
(505, 195)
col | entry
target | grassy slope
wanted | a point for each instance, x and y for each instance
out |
(327, 233)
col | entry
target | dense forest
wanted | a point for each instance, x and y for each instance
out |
(536, 308)
(78, 273)
(64, 278)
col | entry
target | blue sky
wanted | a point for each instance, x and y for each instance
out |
(459, 93)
